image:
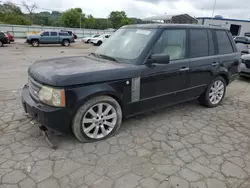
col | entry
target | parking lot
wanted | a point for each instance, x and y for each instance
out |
(185, 146)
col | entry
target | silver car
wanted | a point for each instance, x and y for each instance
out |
(245, 66)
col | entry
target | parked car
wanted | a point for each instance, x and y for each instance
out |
(245, 66)
(140, 68)
(239, 39)
(10, 36)
(99, 40)
(50, 37)
(3, 39)
(88, 39)
(243, 48)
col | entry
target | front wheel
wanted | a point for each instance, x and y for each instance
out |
(65, 43)
(35, 43)
(98, 119)
(214, 93)
(1, 43)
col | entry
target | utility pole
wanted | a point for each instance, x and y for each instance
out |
(214, 9)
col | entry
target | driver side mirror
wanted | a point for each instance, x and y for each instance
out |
(159, 59)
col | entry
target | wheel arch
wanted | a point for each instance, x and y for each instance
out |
(85, 96)
(224, 75)
(34, 39)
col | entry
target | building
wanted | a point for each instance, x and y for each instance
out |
(236, 27)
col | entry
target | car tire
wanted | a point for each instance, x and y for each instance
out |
(91, 124)
(1, 43)
(215, 93)
(99, 43)
(65, 43)
(88, 41)
(35, 43)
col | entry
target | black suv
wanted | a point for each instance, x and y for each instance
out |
(3, 39)
(140, 68)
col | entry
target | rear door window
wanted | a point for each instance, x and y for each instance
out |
(53, 33)
(199, 45)
(224, 44)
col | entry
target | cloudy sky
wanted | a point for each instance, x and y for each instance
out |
(144, 8)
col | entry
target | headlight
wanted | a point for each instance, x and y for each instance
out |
(51, 96)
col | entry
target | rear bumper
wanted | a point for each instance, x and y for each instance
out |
(55, 118)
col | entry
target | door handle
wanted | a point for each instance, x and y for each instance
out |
(215, 63)
(184, 69)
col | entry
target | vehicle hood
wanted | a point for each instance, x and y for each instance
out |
(32, 36)
(68, 71)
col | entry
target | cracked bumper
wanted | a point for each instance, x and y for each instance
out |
(55, 118)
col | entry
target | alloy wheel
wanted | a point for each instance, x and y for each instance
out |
(99, 121)
(66, 43)
(35, 43)
(216, 92)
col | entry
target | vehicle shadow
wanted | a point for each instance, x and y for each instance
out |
(243, 78)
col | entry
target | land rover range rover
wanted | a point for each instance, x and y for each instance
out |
(140, 68)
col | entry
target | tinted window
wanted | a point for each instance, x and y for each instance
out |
(211, 43)
(53, 33)
(224, 44)
(107, 36)
(46, 34)
(199, 43)
(172, 43)
(2, 34)
(63, 34)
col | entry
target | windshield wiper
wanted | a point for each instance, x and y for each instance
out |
(104, 57)
(107, 57)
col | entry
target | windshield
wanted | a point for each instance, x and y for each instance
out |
(126, 45)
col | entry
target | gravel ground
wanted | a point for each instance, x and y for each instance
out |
(185, 146)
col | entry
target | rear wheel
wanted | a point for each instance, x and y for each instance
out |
(1, 43)
(98, 119)
(214, 93)
(65, 43)
(35, 43)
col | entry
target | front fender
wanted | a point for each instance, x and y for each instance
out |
(76, 97)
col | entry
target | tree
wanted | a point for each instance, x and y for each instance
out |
(89, 22)
(16, 19)
(118, 19)
(72, 17)
(10, 8)
(30, 8)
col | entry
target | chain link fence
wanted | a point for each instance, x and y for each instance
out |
(19, 31)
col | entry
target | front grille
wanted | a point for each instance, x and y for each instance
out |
(34, 88)
(247, 63)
